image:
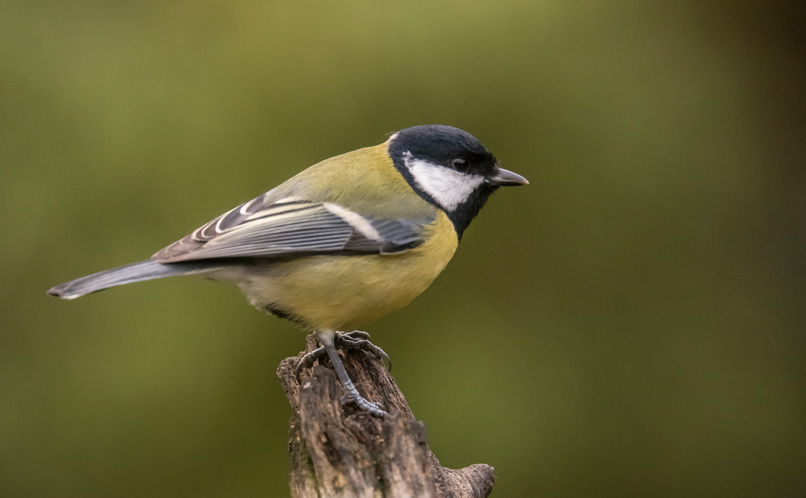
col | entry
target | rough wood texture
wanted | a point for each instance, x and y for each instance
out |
(339, 454)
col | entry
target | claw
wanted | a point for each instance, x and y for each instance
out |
(387, 362)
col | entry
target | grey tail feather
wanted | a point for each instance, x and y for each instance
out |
(135, 272)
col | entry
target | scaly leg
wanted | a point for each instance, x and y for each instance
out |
(351, 394)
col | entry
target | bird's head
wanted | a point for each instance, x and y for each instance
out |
(449, 168)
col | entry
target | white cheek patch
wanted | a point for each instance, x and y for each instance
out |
(447, 186)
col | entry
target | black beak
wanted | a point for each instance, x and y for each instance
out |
(504, 178)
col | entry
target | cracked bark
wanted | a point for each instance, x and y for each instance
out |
(337, 453)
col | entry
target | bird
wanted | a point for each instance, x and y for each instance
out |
(342, 243)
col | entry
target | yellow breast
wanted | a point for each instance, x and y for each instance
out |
(347, 292)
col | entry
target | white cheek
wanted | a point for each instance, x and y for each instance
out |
(448, 187)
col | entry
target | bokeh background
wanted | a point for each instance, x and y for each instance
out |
(630, 324)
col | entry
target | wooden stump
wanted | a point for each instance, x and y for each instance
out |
(338, 453)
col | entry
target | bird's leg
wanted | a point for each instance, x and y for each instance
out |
(347, 341)
(351, 394)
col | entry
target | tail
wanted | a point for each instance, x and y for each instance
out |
(135, 272)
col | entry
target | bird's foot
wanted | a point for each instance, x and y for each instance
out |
(358, 339)
(347, 341)
(352, 397)
(307, 361)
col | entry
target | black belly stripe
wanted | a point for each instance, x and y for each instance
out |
(273, 310)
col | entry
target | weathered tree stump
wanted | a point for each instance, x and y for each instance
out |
(339, 454)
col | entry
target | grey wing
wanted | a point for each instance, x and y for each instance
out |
(294, 228)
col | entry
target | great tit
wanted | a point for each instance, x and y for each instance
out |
(342, 243)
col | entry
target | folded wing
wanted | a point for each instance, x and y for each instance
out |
(294, 228)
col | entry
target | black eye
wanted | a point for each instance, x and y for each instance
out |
(460, 164)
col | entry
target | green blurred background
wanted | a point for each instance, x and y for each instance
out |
(630, 324)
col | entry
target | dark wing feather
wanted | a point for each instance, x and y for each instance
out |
(293, 228)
